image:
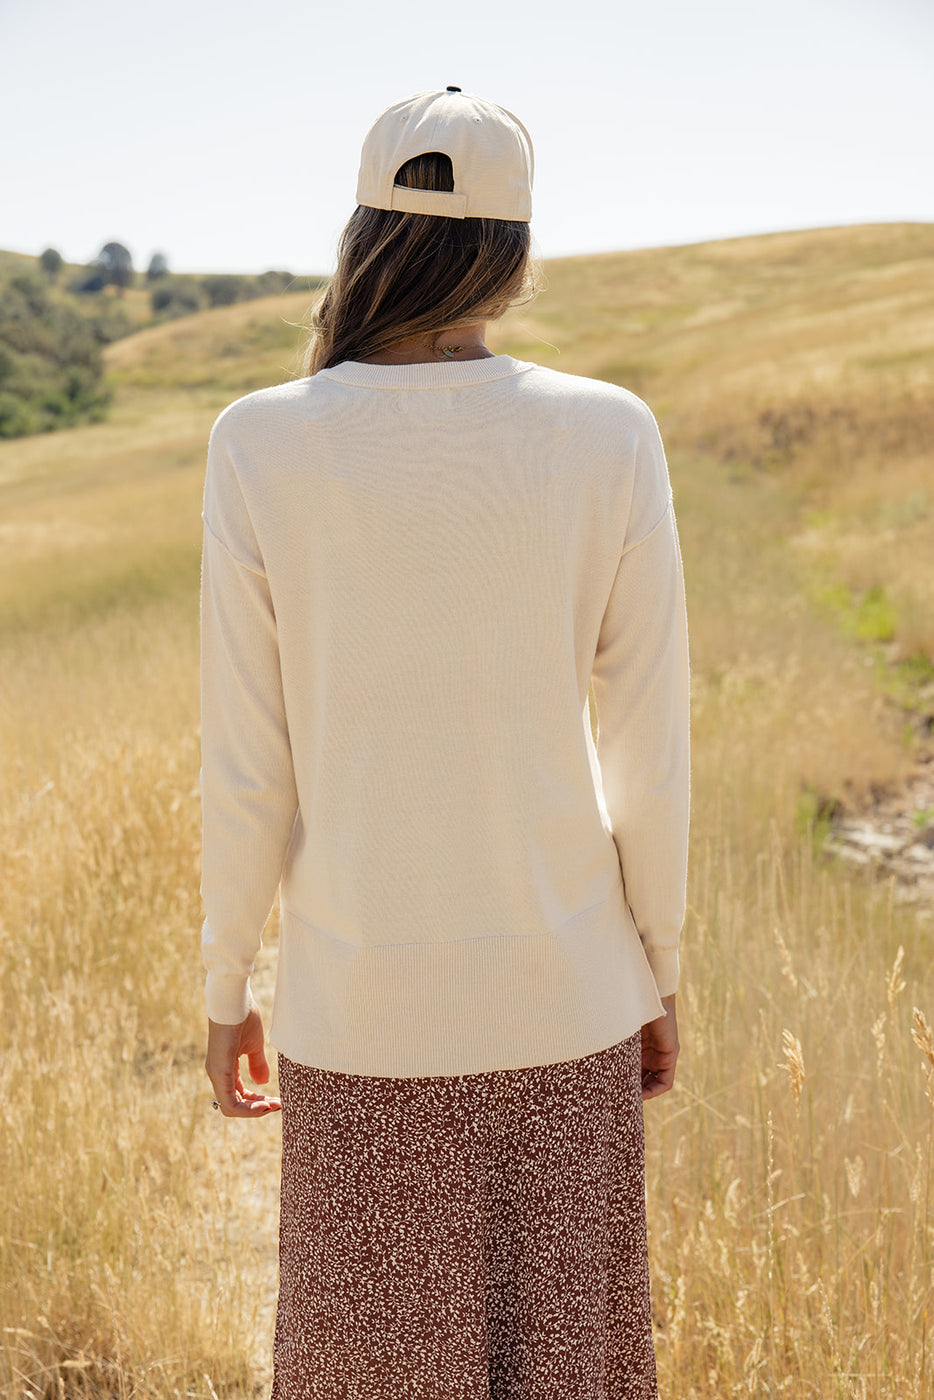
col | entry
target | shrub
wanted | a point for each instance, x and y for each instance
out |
(87, 282)
(112, 322)
(266, 284)
(51, 368)
(17, 418)
(175, 298)
(222, 289)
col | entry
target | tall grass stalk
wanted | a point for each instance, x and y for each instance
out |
(789, 1176)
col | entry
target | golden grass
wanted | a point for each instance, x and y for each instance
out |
(119, 1236)
(807, 355)
(789, 1175)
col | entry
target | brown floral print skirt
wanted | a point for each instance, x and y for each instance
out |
(465, 1237)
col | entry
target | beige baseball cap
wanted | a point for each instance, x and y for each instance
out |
(489, 148)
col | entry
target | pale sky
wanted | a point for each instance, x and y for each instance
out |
(227, 135)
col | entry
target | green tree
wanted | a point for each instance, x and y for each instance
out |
(50, 260)
(158, 267)
(116, 266)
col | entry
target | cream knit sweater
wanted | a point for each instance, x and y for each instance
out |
(410, 575)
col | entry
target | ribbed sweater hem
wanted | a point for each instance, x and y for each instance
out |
(468, 1007)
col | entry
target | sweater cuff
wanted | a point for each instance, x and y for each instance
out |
(666, 969)
(229, 998)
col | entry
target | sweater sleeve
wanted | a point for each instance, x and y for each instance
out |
(641, 688)
(248, 791)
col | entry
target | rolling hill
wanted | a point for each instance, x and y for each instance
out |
(790, 1173)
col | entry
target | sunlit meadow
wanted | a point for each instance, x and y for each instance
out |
(790, 1173)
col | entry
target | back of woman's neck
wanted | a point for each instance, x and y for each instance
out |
(457, 343)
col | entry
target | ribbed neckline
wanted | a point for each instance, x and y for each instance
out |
(432, 375)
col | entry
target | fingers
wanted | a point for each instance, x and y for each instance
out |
(235, 1100)
(253, 1106)
(240, 1103)
(226, 1044)
(658, 1069)
(654, 1083)
(259, 1066)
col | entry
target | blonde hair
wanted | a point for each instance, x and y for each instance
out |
(400, 274)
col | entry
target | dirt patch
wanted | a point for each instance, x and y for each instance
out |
(894, 837)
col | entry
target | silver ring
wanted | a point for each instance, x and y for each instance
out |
(215, 1104)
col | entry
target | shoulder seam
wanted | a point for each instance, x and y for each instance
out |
(649, 533)
(248, 568)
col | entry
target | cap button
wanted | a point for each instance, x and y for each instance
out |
(453, 89)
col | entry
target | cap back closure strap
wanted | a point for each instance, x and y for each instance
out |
(440, 202)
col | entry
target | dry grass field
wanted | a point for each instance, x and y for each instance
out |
(790, 1175)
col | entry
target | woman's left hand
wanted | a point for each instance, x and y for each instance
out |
(660, 1047)
(225, 1046)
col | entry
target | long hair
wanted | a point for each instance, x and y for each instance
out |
(401, 274)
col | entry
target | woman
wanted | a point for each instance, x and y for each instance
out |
(416, 560)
